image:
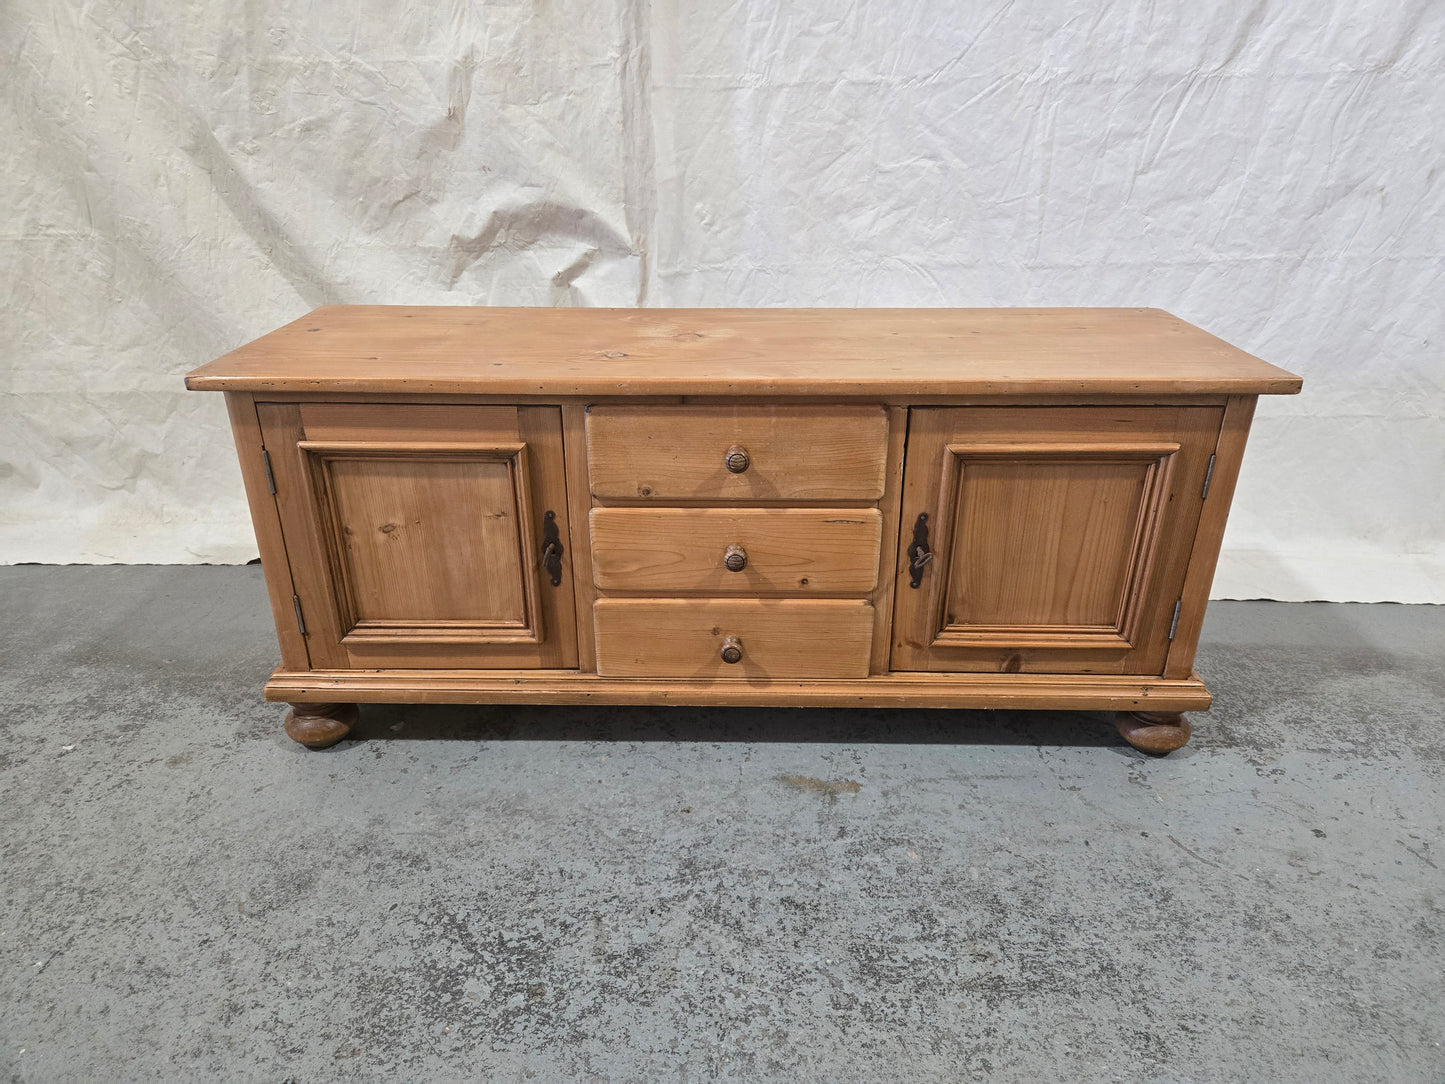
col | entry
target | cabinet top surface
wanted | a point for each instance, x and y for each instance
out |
(822, 352)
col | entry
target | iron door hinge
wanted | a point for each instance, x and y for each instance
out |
(270, 476)
(300, 620)
(1208, 474)
(1174, 621)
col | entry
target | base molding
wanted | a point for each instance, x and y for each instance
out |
(1083, 692)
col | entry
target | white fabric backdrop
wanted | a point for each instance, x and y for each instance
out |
(178, 178)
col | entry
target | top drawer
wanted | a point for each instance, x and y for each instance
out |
(737, 453)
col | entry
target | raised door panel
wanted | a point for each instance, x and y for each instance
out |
(427, 541)
(416, 534)
(1059, 536)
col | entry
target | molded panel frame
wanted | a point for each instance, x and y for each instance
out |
(357, 631)
(1158, 460)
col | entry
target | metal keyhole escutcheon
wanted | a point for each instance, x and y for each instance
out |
(552, 548)
(918, 552)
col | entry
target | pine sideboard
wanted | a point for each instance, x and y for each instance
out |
(972, 508)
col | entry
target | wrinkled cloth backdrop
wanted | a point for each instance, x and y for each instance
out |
(179, 178)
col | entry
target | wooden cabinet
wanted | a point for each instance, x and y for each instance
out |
(963, 508)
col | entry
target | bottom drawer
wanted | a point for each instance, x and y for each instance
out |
(698, 638)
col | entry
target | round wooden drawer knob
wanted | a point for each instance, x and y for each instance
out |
(732, 649)
(737, 459)
(735, 558)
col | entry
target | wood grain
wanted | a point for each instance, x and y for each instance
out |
(1083, 692)
(864, 352)
(781, 638)
(796, 551)
(796, 453)
(429, 422)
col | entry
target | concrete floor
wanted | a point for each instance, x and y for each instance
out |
(643, 894)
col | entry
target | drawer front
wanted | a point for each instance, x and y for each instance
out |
(771, 551)
(687, 638)
(745, 453)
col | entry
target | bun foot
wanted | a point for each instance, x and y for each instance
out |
(317, 726)
(1156, 732)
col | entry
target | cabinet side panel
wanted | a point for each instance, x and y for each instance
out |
(1228, 454)
(246, 430)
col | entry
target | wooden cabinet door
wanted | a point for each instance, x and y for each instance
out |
(415, 534)
(1060, 536)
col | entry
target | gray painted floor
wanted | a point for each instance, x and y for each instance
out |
(643, 894)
